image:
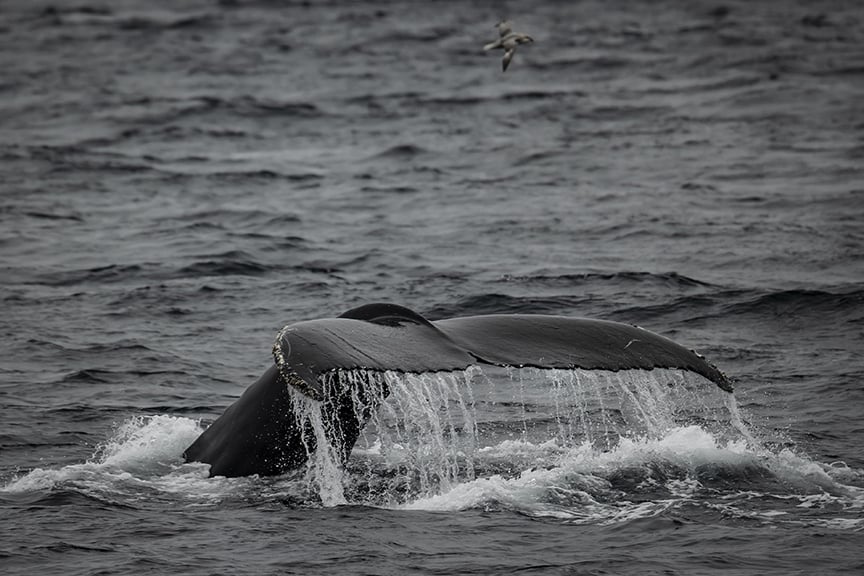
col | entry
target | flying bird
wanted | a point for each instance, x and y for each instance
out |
(507, 41)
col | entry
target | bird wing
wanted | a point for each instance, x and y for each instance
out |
(504, 28)
(508, 55)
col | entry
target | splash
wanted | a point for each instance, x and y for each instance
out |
(584, 447)
(435, 431)
(686, 471)
(141, 450)
(577, 445)
(147, 444)
(421, 422)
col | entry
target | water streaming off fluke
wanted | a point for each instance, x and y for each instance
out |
(427, 433)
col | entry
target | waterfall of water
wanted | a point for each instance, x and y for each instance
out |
(323, 467)
(424, 433)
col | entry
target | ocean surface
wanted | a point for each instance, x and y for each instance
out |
(179, 180)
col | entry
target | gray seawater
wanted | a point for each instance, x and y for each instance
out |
(180, 180)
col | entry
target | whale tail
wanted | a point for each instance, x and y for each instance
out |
(261, 434)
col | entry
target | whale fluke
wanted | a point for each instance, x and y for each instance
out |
(258, 434)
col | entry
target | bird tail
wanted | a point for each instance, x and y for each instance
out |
(491, 46)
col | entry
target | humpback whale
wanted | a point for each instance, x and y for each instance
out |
(259, 433)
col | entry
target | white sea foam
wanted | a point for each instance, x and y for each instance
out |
(143, 452)
(148, 444)
(582, 444)
(580, 485)
(584, 471)
(586, 448)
